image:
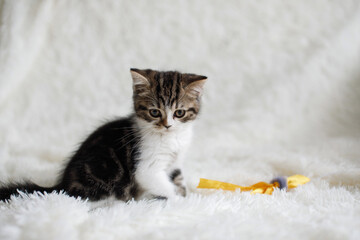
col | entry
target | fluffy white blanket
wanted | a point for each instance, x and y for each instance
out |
(282, 98)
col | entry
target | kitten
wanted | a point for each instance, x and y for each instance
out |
(139, 156)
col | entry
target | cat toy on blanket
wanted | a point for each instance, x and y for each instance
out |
(261, 187)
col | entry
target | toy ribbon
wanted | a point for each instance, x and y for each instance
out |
(261, 187)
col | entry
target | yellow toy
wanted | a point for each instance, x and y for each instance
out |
(261, 187)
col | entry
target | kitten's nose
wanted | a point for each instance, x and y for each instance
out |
(167, 126)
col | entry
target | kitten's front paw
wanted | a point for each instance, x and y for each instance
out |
(178, 180)
(180, 190)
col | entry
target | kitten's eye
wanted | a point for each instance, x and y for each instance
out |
(155, 113)
(179, 113)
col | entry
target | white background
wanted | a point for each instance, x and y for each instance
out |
(282, 98)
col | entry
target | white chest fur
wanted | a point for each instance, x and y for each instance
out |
(159, 154)
(164, 149)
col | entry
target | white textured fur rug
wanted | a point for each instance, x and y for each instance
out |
(283, 97)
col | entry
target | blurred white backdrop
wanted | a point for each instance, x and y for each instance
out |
(282, 97)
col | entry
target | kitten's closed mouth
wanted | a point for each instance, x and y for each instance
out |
(164, 130)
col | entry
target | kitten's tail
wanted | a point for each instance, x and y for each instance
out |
(28, 187)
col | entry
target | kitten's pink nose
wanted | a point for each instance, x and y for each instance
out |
(167, 126)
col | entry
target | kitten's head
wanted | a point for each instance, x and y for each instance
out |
(166, 100)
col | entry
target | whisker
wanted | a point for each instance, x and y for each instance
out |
(129, 142)
(126, 128)
(140, 139)
(131, 135)
(124, 137)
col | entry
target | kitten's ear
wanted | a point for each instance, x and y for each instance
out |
(139, 77)
(194, 84)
